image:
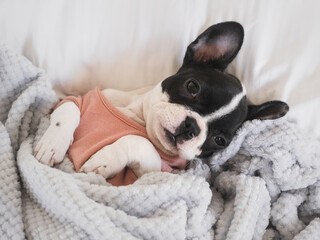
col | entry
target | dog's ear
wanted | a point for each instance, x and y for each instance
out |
(268, 110)
(217, 46)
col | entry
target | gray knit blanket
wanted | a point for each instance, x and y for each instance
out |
(265, 185)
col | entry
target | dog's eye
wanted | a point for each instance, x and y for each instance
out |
(193, 87)
(220, 141)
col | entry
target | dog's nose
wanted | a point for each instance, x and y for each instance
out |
(187, 130)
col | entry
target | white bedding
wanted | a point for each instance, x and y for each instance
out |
(131, 44)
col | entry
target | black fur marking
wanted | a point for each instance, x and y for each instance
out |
(205, 60)
(57, 124)
(216, 88)
(224, 127)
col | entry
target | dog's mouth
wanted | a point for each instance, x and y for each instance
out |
(174, 139)
(170, 137)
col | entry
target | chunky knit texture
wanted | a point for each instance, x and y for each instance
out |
(289, 164)
(39, 202)
(271, 174)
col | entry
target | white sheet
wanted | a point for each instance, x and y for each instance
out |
(131, 44)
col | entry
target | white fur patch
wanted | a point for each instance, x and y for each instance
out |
(131, 150)
(164, 115)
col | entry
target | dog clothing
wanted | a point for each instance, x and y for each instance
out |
(100, 125)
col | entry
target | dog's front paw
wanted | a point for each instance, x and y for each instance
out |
(103, 163)
(53, 145)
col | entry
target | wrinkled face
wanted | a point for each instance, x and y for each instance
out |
(197, 112)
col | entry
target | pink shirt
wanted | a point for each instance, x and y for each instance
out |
(100, 125)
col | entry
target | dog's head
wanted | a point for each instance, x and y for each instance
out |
(197, 111)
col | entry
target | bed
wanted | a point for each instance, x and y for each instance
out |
(75, 47)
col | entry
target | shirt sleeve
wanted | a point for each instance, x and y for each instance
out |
(76, 100)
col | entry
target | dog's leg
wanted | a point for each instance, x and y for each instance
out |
(55, 142)
(134, 151)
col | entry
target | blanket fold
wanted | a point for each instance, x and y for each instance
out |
(57, 203)
(265, 185)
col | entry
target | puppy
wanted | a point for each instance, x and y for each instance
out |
(191, 114)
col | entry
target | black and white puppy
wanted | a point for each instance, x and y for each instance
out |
(193, 113)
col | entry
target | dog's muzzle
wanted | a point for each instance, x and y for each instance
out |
(187, 130)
